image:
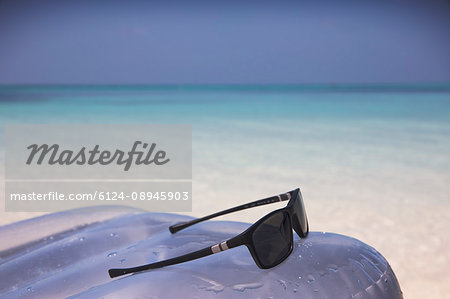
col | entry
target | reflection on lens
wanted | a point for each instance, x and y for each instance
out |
(300, 213)
(272, 239)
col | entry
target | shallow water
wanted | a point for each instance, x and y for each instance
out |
(374, 164)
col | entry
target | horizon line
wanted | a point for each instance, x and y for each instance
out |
(420, 86)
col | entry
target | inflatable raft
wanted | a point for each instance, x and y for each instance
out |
(68, 254)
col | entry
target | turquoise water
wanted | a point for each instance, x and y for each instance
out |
(197, 103)
(257, 140)
(373, 162)
(321, 130)
(343, 127)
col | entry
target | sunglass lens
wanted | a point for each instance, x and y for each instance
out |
(272, 240)
(301, 227)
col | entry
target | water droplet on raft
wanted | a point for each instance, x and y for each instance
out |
(300, 256)
(307, 244)
(333, 268)
(113, 235)
(310, 278)
(122, 260)
(246, 286)
(112, 254)
(385, 280)
(214, 286)
(29, 289)
(82, 238)
(316, 290)
(283, 283)
(294, 290)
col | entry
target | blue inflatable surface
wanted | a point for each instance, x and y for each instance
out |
(68, 254)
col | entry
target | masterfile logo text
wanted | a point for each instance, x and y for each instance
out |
(53, 156)
(146, 166)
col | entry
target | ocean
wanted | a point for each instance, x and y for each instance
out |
(373, 162)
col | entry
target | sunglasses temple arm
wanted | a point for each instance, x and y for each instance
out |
(236, 241)
(179, 226)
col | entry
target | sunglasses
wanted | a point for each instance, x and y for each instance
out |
(269, 240)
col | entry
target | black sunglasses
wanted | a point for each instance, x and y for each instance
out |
(269, 240)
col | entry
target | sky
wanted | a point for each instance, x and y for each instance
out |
(224, 42)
